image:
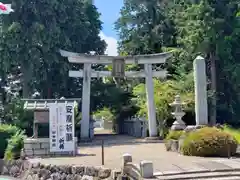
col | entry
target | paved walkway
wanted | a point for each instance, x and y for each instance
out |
(164, 162)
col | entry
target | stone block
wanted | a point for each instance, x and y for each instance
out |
(180, 142)
(174, 145)
(115, 174)
(28, 152)
(193, 128)
(146, 168)
(86, 177)
(28, 145)
(91, 171)
(127, 158)
(14, 171)
(38, 152)
(168, 144)
(43, 140)
(104, 173)
(5, 171)
(45, 145)
(78, 169)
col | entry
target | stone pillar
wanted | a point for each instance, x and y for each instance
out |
(150, 101)
(146, 169)
(86, 89)
(200, 80)
(127, 158)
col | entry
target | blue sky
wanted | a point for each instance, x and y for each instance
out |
(109, 10)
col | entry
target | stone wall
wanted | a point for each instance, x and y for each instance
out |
(33, 169)
(41, 147)
(27, 170)
(136, 127)
(108, 125)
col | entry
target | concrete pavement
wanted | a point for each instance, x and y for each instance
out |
(166, 164)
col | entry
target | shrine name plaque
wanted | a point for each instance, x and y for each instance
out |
(118, 69)
(41, 116)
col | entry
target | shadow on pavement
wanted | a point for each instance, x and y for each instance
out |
(115, 140)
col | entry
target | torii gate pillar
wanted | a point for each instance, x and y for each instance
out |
(86, 92)
(152, 122)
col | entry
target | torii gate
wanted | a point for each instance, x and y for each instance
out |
(87, 73)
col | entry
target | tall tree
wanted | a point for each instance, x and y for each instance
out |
(191, 27)
(206, 26)
(36, 30)
(144, 28)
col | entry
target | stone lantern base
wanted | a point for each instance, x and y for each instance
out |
(178, 125)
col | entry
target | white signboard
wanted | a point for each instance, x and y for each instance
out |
(61, 127)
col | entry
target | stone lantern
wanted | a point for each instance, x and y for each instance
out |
(178, 114)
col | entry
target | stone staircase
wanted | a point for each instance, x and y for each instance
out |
(215, 169)
(213, 175)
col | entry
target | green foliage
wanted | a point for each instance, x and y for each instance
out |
(209, 142)
(211, 28)
(234, 132)
(174, 135)
(15, 114)
(6, 132)
(144, 27)
(104, 113)
(203, 27)
(15, 145)
(31, 39)
(164, 92)
(34, 33)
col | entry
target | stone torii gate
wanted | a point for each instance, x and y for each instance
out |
(118, 66)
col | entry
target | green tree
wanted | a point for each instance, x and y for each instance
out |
(195, 27)
(209, 27)
(34, 33)
(164, 92)
(144, 28)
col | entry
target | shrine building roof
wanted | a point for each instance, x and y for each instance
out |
(42, 104)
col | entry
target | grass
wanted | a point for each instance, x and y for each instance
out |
(233, 132)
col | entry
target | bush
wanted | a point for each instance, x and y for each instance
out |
(15, 145)
(175, 135)
(209, 141)
(6, 132)
(234, 132)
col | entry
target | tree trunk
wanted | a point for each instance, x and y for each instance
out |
(213, 113)
(26, 78)
(3, 83)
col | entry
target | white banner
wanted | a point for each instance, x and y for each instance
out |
(61, 127)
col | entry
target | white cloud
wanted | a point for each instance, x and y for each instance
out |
(111, 49)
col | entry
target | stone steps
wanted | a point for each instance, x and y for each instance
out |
(223, 178)
(7, 178)
(217, 175)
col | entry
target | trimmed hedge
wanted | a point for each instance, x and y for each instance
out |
(209, 141)
(175, 135)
